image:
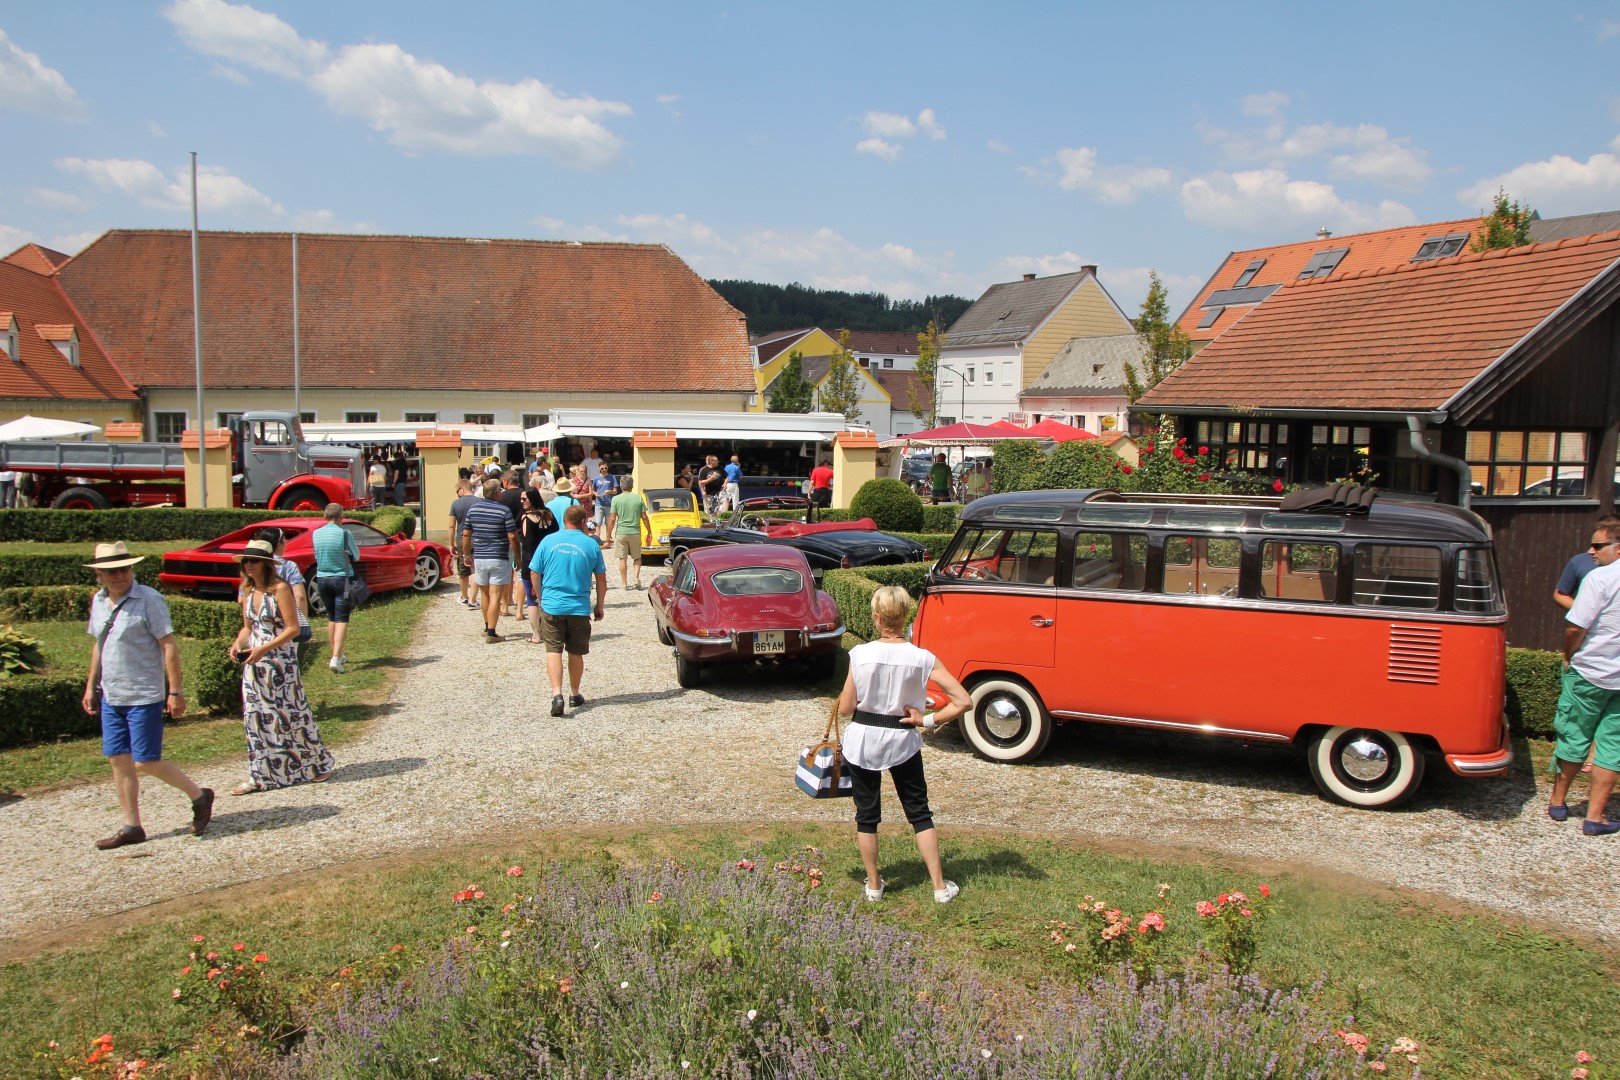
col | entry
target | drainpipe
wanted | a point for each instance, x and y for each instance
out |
(1465, 484)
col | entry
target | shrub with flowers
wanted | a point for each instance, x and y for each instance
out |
(1106, 936)
(234, 982)
(1232, 924)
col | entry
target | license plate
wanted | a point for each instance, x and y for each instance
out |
(769, 642)
(663, 540)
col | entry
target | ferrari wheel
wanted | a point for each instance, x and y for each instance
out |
(427, 572)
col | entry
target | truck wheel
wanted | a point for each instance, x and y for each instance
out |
(1364, 767)
(1006, 721)
(302, 500)
(80, 498)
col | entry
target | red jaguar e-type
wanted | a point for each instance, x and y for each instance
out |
(755, 604)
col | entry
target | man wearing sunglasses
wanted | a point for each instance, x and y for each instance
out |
(1588, 716)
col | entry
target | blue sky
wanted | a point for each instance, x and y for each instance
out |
(911, 148)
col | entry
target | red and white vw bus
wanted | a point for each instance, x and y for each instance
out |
(1370, 631)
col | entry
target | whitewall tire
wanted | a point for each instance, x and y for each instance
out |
(1366, 767)
(1007, 721)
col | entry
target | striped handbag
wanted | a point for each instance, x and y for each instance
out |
(820, 771)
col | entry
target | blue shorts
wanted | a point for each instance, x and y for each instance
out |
(335, 595)
(136, 730)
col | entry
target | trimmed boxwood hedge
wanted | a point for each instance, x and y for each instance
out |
(852, 590)
(1534, 678)
(43, 708)
(162, 523)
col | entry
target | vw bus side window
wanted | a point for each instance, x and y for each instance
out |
(1202, 566)
(1397, 576)
(1026, 556)
(1303, 572)
(1477, 590)
(1110, 561)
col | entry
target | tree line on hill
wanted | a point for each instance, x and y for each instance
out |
(770, 308)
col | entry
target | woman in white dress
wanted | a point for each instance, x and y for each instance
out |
(885, 691)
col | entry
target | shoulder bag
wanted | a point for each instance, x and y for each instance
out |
(101, 647)
(820, 771)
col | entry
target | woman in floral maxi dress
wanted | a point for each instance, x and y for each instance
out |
(284, 745)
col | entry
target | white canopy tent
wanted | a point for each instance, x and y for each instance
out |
(736, 426)
(403, 432)
(39, 427)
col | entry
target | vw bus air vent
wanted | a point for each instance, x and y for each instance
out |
(1414, 654)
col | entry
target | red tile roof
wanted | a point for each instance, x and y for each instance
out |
(891, 342)
(1407, 339)
(41, 260)
(43, 311)
(1387, 248)
(411, 311)
(901, 385)
(770, 346)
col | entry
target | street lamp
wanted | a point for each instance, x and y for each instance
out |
(962, 382)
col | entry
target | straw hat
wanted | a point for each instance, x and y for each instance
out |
(112, 556)
(565, 486)
(257, 549)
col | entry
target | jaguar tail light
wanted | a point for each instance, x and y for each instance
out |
(713, 633)
(927, 556)
(844, 562)
(824, 628)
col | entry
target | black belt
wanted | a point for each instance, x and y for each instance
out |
(877, 719)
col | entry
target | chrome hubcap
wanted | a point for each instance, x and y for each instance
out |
(1365, 760)
(1003, 718)
(427, 573)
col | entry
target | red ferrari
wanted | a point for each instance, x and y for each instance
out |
(745, 604)
(386, 562)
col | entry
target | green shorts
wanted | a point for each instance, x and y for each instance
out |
(1588, 716)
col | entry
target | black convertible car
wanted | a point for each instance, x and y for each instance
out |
(828, 545)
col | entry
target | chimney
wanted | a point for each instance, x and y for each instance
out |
(1029, 277)
(1090, 268)
(1324, 233)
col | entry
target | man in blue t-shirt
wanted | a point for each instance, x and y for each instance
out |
(731, 495)
(563, 568)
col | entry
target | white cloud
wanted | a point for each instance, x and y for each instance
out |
(1267, 200)
(421, 106)
(548, 224)
(888, 151)
(1128, 285)
(1270, 103)
(889, 125)
(883, 129)
(1009, 267)
(54, 199)
(244, 35)
(27, 85)
(1609, 29)
(218, 191)
(998, 146)
(73, 243)
(1559, 185)
(324, 221)
(669, 101)
(1115, 184)
(1365, 152)
(155, 129)
(928, 124)
(12, 238)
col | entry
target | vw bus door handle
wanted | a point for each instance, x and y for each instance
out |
(1037, 620)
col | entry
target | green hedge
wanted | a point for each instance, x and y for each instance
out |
(24, 570)
(162, 523)
(889, 503)
(1533, 681)
(852, 590)
(192, 618)
(44, 708)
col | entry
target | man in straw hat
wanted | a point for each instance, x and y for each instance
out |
(134, 683)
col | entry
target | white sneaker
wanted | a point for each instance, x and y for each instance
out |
(337, 664)
(874, 895)
(947, 894)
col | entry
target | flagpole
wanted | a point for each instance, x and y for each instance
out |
(196, 329)
(297, 411)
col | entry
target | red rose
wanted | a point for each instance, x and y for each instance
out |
(1203, 476)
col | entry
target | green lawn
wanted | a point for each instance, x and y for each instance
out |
(379, 634)
(1484, 996)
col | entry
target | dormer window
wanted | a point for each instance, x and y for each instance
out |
(65, 339)
(1440, 247)
(1248, 274)
(8, 335)
(1323, 263)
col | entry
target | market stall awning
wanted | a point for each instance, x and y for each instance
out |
(39, 427)
(959, 434)
(403, 432)
(725, 426)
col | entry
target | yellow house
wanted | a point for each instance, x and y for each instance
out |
(815, 348)
(1012, 334)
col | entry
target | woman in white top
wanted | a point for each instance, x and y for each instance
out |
(886, 690)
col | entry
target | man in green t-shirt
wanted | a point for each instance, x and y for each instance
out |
(627, 518)
(939, 478)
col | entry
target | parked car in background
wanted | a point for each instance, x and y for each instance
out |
(829, 545)
(756, 606)
(386, 562)
(667, 510)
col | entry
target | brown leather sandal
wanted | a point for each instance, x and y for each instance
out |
(129, 834)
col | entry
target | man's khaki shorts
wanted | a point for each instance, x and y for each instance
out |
(570, 632)
(627, 545)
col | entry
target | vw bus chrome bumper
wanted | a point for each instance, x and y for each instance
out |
(1496, 763)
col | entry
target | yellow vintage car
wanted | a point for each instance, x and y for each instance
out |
(666, 509)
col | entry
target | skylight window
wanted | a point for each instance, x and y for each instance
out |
(1323, 263)
(1248, 274)
(1440, 247)
(1209, 318)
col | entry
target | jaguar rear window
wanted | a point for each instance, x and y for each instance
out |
(758, 581)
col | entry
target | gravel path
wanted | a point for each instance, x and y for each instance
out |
(450, 762)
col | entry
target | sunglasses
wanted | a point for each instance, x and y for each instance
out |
(1600, 547)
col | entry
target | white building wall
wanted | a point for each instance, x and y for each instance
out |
(991, 392)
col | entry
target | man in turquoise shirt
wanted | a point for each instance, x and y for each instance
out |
(563, 567)
(337, 558)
